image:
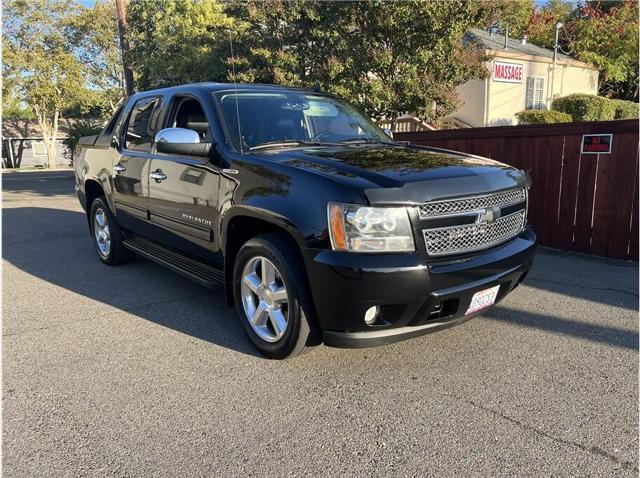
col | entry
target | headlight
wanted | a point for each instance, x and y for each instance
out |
(369, 229)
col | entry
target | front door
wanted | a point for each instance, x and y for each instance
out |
(183, 190)
(131, 165)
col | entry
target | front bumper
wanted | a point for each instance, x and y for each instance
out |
(415, 296)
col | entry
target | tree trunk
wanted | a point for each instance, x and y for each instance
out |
(121, 13)
(49, 135)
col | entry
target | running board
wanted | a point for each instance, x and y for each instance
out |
(203, 274)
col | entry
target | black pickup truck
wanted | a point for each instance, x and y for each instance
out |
(320, 227)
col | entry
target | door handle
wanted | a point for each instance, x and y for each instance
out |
(158, 175)
(119, 168)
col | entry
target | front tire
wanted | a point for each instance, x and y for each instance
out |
(106, 234)
(271, 297)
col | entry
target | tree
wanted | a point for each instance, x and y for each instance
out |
(608, 39)
(600, 32)
(514, 14)
(92, 34)
(386, 57)
(542, 25)
(37, 61)
(178, 41)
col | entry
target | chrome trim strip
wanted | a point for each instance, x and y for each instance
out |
(516, 200)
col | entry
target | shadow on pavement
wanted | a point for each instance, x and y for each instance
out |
(595, 279)
(614, 336)
(54, 245)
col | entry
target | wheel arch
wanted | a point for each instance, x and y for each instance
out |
(93, 190)
(241, 225)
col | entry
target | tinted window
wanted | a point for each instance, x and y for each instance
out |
(108, 129)
(188, 113)
(267, 117)
(139, 135)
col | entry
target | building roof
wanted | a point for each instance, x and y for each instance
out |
(495, 42)
(16, 128)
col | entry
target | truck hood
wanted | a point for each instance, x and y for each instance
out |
(397, 174)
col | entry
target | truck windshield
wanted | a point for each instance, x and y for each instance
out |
(286, 119)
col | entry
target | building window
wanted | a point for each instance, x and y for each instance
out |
(534, 98)
(38, 148)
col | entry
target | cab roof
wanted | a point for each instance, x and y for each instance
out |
(213, 87)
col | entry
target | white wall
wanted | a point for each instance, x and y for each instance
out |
(506, 99)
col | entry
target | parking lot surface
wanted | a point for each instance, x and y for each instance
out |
(136, 371)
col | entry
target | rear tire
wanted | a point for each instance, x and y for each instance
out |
(106, 234)
(272, 297)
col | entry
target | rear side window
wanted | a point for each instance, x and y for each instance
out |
(142, 120)
(108, 129)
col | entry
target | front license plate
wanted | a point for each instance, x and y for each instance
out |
(483, 299)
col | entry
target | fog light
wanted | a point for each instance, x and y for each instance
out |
(371, 315)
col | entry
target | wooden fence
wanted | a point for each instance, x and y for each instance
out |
(579, 202)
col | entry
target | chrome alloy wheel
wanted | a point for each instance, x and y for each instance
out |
(264, 298)
(101, 232)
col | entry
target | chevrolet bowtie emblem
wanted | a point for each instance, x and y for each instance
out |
(488, 215)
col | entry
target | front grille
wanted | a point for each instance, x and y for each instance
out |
(456, 206)
(473, 237)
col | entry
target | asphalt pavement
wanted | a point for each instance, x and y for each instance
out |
(135, 371)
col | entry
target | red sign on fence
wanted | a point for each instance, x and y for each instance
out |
(507, 72)
(596, 143)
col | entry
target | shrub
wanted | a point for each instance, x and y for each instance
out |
(542, 117)
(625, 109)
(586, 107)
(78, 129)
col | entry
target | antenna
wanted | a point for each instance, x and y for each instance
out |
(235, 91)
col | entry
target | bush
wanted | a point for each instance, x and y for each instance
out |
(78, 129)
(625, 109)
(542, 117)
(586, 107)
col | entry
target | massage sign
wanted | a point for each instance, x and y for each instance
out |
(507, 72)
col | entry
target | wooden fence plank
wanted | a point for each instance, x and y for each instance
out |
(614, 198)
(584, 204)
(547, 158)
(633, 242)
(569, 192)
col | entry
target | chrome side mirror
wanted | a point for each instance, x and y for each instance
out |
(388, 132)
(181, 141)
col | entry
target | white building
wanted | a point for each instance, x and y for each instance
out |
(522, 77)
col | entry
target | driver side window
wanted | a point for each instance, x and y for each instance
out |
(188, 113)
(142, 120)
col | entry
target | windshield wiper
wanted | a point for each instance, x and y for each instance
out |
(286, 142)
(360, 139)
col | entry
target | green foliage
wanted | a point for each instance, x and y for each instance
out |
(625, 109)
(385, 57)
(178, 41)
(78, 129)
(58, 56)
(38, 60)
(542, 117)
(542, 24)
(602, 33)
(609, 41)
(514, 14)
(93, 34)
(586, 107)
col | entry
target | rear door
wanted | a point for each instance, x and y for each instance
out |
(183, 204)
(131, 165)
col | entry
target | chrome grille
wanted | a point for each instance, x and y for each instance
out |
(473, 237)
(456, 206)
